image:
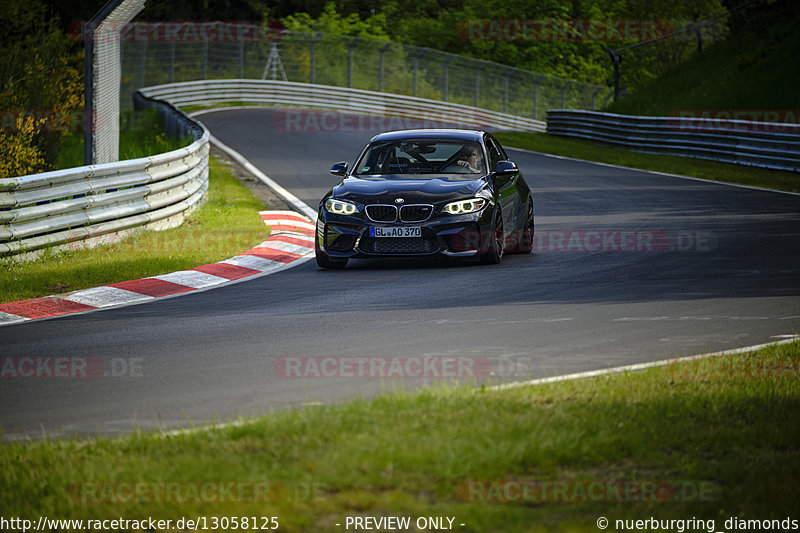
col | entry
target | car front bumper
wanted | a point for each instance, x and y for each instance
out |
(455, 236)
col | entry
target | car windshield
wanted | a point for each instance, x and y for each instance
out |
(419, 157)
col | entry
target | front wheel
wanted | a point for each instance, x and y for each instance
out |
(325, 261)
(494, 242)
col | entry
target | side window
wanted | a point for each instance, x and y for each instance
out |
(503, 154)
(494, 153)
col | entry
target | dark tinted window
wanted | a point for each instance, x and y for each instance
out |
(494, 153)
(419, 157)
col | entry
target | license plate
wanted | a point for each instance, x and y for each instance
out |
(396, 231)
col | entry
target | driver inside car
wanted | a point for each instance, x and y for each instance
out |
(467, 162)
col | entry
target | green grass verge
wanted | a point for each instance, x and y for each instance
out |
(717, 437)
(226, 225)
(141, 135)
(685, 166)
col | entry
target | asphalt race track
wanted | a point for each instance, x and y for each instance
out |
(629, 267)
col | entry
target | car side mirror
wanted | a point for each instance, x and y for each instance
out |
(505, 168)
(339, 169)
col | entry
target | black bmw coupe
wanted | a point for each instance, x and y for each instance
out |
(426, 192)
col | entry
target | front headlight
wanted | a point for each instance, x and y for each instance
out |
(338, 207)
(462, 207)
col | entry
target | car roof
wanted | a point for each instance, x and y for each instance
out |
(458, 135)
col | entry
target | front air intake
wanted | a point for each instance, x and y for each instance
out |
(382, 213)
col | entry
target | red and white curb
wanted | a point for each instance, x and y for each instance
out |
(290, 242)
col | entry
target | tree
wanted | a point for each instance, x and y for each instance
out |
(40, 87)
(330, 21)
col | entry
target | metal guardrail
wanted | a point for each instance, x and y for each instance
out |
(763, 144)
(295, 94)
(83, 203)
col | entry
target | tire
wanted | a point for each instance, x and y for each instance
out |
(494, 253)
(523, 238)
(325, 261)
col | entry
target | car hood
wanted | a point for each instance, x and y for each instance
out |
(386, 188)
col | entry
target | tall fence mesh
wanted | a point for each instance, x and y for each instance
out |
(346, 61)
(106, 79)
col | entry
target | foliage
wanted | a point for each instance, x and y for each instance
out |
(204, 10)
(445, 25)
(40, 87)
(18, 153)
(330, 21)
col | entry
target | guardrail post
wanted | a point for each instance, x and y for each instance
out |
(416, 68)
(447, 76)
(594, 98)
(205, 60)
(564, 94)
(171, 62)
(143, 64)
(380, 66)
(350, 61)
(608, 97)
(241, 59)
(615, 61)
(505, 90)
(478, 81)
(536, 84)
(312, 75)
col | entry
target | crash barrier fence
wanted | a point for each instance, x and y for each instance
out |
(102, 72)
(244, 51)
(90, 204)
(291, 94)
(762, 144)
(86, 204)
